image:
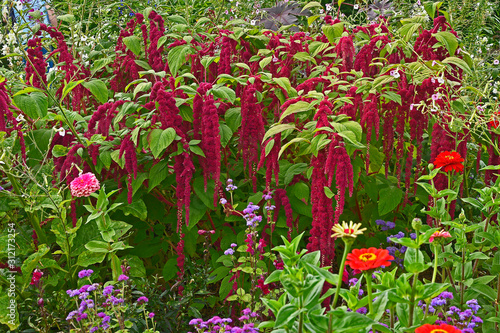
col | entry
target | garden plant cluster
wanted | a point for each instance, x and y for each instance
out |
(268, 166)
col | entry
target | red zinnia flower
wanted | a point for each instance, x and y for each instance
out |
(366, 259)
(495, 119)
(443, 328)
(449, 160)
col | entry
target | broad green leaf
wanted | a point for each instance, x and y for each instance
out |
(176, 57)
(277, 129)
(300, 106)
(224, 93)
(133, 43)
(98, 89)
(34, 104)
(390, 197)
(333, 31)
(449, 41)
(458, 62)
(97, 246)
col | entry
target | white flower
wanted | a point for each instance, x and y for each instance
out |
(61, 131)
(496, 62)
(19, 6)
(20, 118)
(328, 7)
(433, 80)
(351, 230)
(321, 11)
(440, 80)
(459, 50)
(83, 38)
(257, 11)
(495, 91)
(434, 63)
(275, 59)
(252, 22)
(356, 7)
(395, 73)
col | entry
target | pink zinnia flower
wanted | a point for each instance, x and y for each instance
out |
(439, 234)
(84, 185)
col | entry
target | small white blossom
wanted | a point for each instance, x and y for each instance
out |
(440, 80)
(496, 62)
(321, 11)
(356, 7)
(83, 38)
(252, 22)
(328, 7)
(395, 73)
(61, 131)
(275, 59)
(19, 5)
(20, 118)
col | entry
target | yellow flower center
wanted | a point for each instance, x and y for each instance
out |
(439, 331)
(367, 257)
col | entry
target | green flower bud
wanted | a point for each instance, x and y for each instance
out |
(416, 224)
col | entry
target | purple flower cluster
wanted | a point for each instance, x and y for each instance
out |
(252, 218)
(230, 187)
(217, 324)
(93, 303)
(385, 225)
(466, 319)
(230, 251)
(85, 273)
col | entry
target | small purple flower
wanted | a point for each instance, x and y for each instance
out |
(244, 317)
(267, 197)
(106, 319)
(101, 315)
(73, 293)
(352, 282)
(246, 311)
(362, 310)
(71, 315)
(472, 304)
(413, 235)
(151, 314)
(229, 252)
(195, 321)
(107, 290)
(123, 277)
(223, 201)
(85, 273)
(142, 299)
(233, 245)
(93, 329)
(81, 317)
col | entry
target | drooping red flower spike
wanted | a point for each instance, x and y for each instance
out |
(443, 328)
(367, 259)
(449, 161)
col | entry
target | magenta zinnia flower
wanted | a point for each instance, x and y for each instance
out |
(84, 185)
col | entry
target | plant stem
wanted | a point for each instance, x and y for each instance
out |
(412, 299)
(497, 306)
(368, 277)
(434, 273)
(341, 273)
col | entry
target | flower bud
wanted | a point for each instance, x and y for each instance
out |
(431, 166)
(416, 224)
(462, 216)
(40, 302)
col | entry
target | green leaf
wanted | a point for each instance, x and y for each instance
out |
(97, 246)
(408, 30)
(300, 106)
(8, 306)
(98, 89)
(160, 140)
(224, 93)
(264, 62)
(390, 197)
(459, 63)
(286, 315)
(225, 134)
(133, 43)
(142, 87)
(34, 105)
(177, 19)
(137, 208)
(170, 269)
(333, 31)
(233, 118)
(218, 274)
(158, 173)
(449, 41)
(176, 57)
(87, 258)
(414, 261)
(277, 129)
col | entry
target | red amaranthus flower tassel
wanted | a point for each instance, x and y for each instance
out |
(125, 69)
(369, 120)
(281, 200)
(338, 162)
(252, 130)
(5, 114)
(156, 30)
(36, 65)
(127, 147)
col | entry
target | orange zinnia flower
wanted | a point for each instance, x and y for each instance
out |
(449, 160)
(366, 259)
(443, 328)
